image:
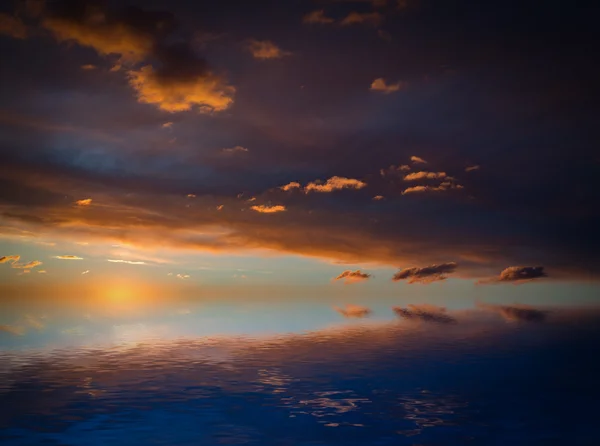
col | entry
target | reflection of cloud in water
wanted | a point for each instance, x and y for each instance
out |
(516, 312)
(364, 381)
(426, 313)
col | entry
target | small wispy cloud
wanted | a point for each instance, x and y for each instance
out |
(85, 272)
(291, 186)
(67, 257)
(268, 209)
(334, 184)
(26, 266)
(365, 18)
(10, 259)
(233, 150)
(183, 276)
(317, 17)
(220, 207)
(415, 176)
(472, 168)
(378, 197)
(353, 311)
(167, 125)
(447, 185)
(380, 85)
(427, 274)
(84, 202)
(128, 262)
(417, 160)
(265, 49)
(517, 274)
(349, 276)
(88, 67)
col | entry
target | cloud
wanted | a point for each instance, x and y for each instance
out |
(424, 176)
(417, 160)
(393, 170)
(425, 313)
(367, 18)
(84, 202)
(381, 86)
(447, 185)
(85, 272)
(162, 71)
(13, 329)
(335, 183)
(167, 125)
(28, 265)
(220, 207)
(11, 259)
(353, 276)
(265, 49)
(12, 26)
(67, 257)
(183, 276)
(515, 312)
(128, 262)
(203, 91)
(42, 271)
(236, 149)
(426, 274)
(317, 17)
(291, 186)
(353, 311)
(472, 168)
(268, 209)
(517, 274)
(378, 197)
(34, 322)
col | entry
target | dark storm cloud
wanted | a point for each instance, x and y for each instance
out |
(426, 274)
(425, 313)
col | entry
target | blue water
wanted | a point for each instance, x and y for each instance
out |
(480, 380)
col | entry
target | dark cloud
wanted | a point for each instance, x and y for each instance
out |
(425, 274)
(353, 276)
(517, 274)
(425, 313)
(162, 66)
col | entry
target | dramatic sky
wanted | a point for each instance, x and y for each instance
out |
(338, 144)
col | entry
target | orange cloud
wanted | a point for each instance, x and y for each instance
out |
(417, 160)
(84, 202)
(67, 257)
(353, 311)
(206, 92)
(268, 209)
(26, 266)
(88, 67)
(378, 197)
(317, 17)
(353, 276)
(12, 329)
(381, 86)
(291, 186)
(425, 274)
(12, 259)
(367, 18)
(471, 168)
(442, 187)
(424, 176)
(335, 183)
(265, 49)
(12, 26)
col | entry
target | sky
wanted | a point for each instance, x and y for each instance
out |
(296, 149)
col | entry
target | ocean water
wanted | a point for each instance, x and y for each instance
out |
(505, 377)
